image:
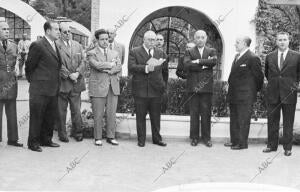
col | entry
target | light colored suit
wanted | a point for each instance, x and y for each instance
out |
(104, 88)
(72, 58)
(120, 48)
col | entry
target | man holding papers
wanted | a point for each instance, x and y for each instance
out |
(149, 78)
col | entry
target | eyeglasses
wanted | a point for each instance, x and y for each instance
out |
(66, 32)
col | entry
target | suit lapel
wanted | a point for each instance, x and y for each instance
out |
(100, 56)
(197, 53)
(205, 53)
(275, 60)
(49, 47)
(286, 61)
(144, 53)
(64, 48)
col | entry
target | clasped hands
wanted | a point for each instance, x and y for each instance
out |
(152, 63)
(74, 76)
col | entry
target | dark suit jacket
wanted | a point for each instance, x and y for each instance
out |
(245, 79)
(197, 77)
(42, 68)
(72, 61)
(152, 84)
(281, 83)
(8, 81)
(180, 72)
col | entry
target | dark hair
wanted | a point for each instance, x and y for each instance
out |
(100, 32)
(47, 25)
(248, 41)
(283, 33)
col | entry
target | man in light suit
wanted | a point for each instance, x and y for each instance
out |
(113, 45)
(245, 80)
(199, 62)
(8, 85)
(104, 86)
(282, 70)
(72, 83)
(42, 72)
(148, 86)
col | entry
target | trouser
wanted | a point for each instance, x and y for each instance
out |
(200, 104)
(11, 116)
(240, 118)
(43, 112)
(98, 107)
(153, 106)
(74, 99)
(288, 112)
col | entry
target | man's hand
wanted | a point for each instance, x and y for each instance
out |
(74, 76)
(151, 67)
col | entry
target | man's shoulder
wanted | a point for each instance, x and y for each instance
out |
(119, 44)
(12, 42)
(91, 51)
(137, 49)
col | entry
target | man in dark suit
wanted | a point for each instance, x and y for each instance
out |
(72, 84)
(8, 85)
(282, 70)
(199, 62)
(180, 67)
(245, 79)
(149, 72)
(42, 72)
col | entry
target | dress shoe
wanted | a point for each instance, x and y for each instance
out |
(160, 143)
(287, 152)
(64, 139)
(268, 150)
(79, 138)
(238, 147)
(112, 141)
(194, 142)
(50, 144)
(229, 144)
(98, 142)
(141, 144)
(35, 148)
(208, 144)
(14, 143)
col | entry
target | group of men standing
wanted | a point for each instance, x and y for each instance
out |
(55, 70)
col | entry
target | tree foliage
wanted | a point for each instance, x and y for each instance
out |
(270, 19)
(77, 10)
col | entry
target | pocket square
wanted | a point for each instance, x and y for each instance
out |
(243, 65)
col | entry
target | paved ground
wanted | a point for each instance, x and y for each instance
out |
(133, 169)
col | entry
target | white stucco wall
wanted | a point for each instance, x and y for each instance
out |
(33, 18)
(237, 22)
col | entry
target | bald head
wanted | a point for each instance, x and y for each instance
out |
(189, 46)
(242, 43)
(111, 34)
(200, 38)
(149, 39)
(65, 31)
(4, 30)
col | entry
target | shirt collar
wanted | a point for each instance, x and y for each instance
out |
(50, 41)
(284, 52)
(101, 49)
(66, 42)
(243, 52)
(147, 50)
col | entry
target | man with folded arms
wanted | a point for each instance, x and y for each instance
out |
(282, 70)
(245, 80)
(149, 72)
(198, 63)
(104, 86)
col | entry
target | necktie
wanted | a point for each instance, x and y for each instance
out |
(149, 52)
(110, 46)
(281, 61)
(4, 44)
(235, 59)
(68, 44)
(105, 54)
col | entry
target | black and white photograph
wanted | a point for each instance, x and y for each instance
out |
(150, 96)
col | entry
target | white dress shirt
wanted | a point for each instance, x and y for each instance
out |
(51, 43)
(242, 53)
(152, 53)
(201, 51)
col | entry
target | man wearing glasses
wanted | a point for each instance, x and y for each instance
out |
(72, 84)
